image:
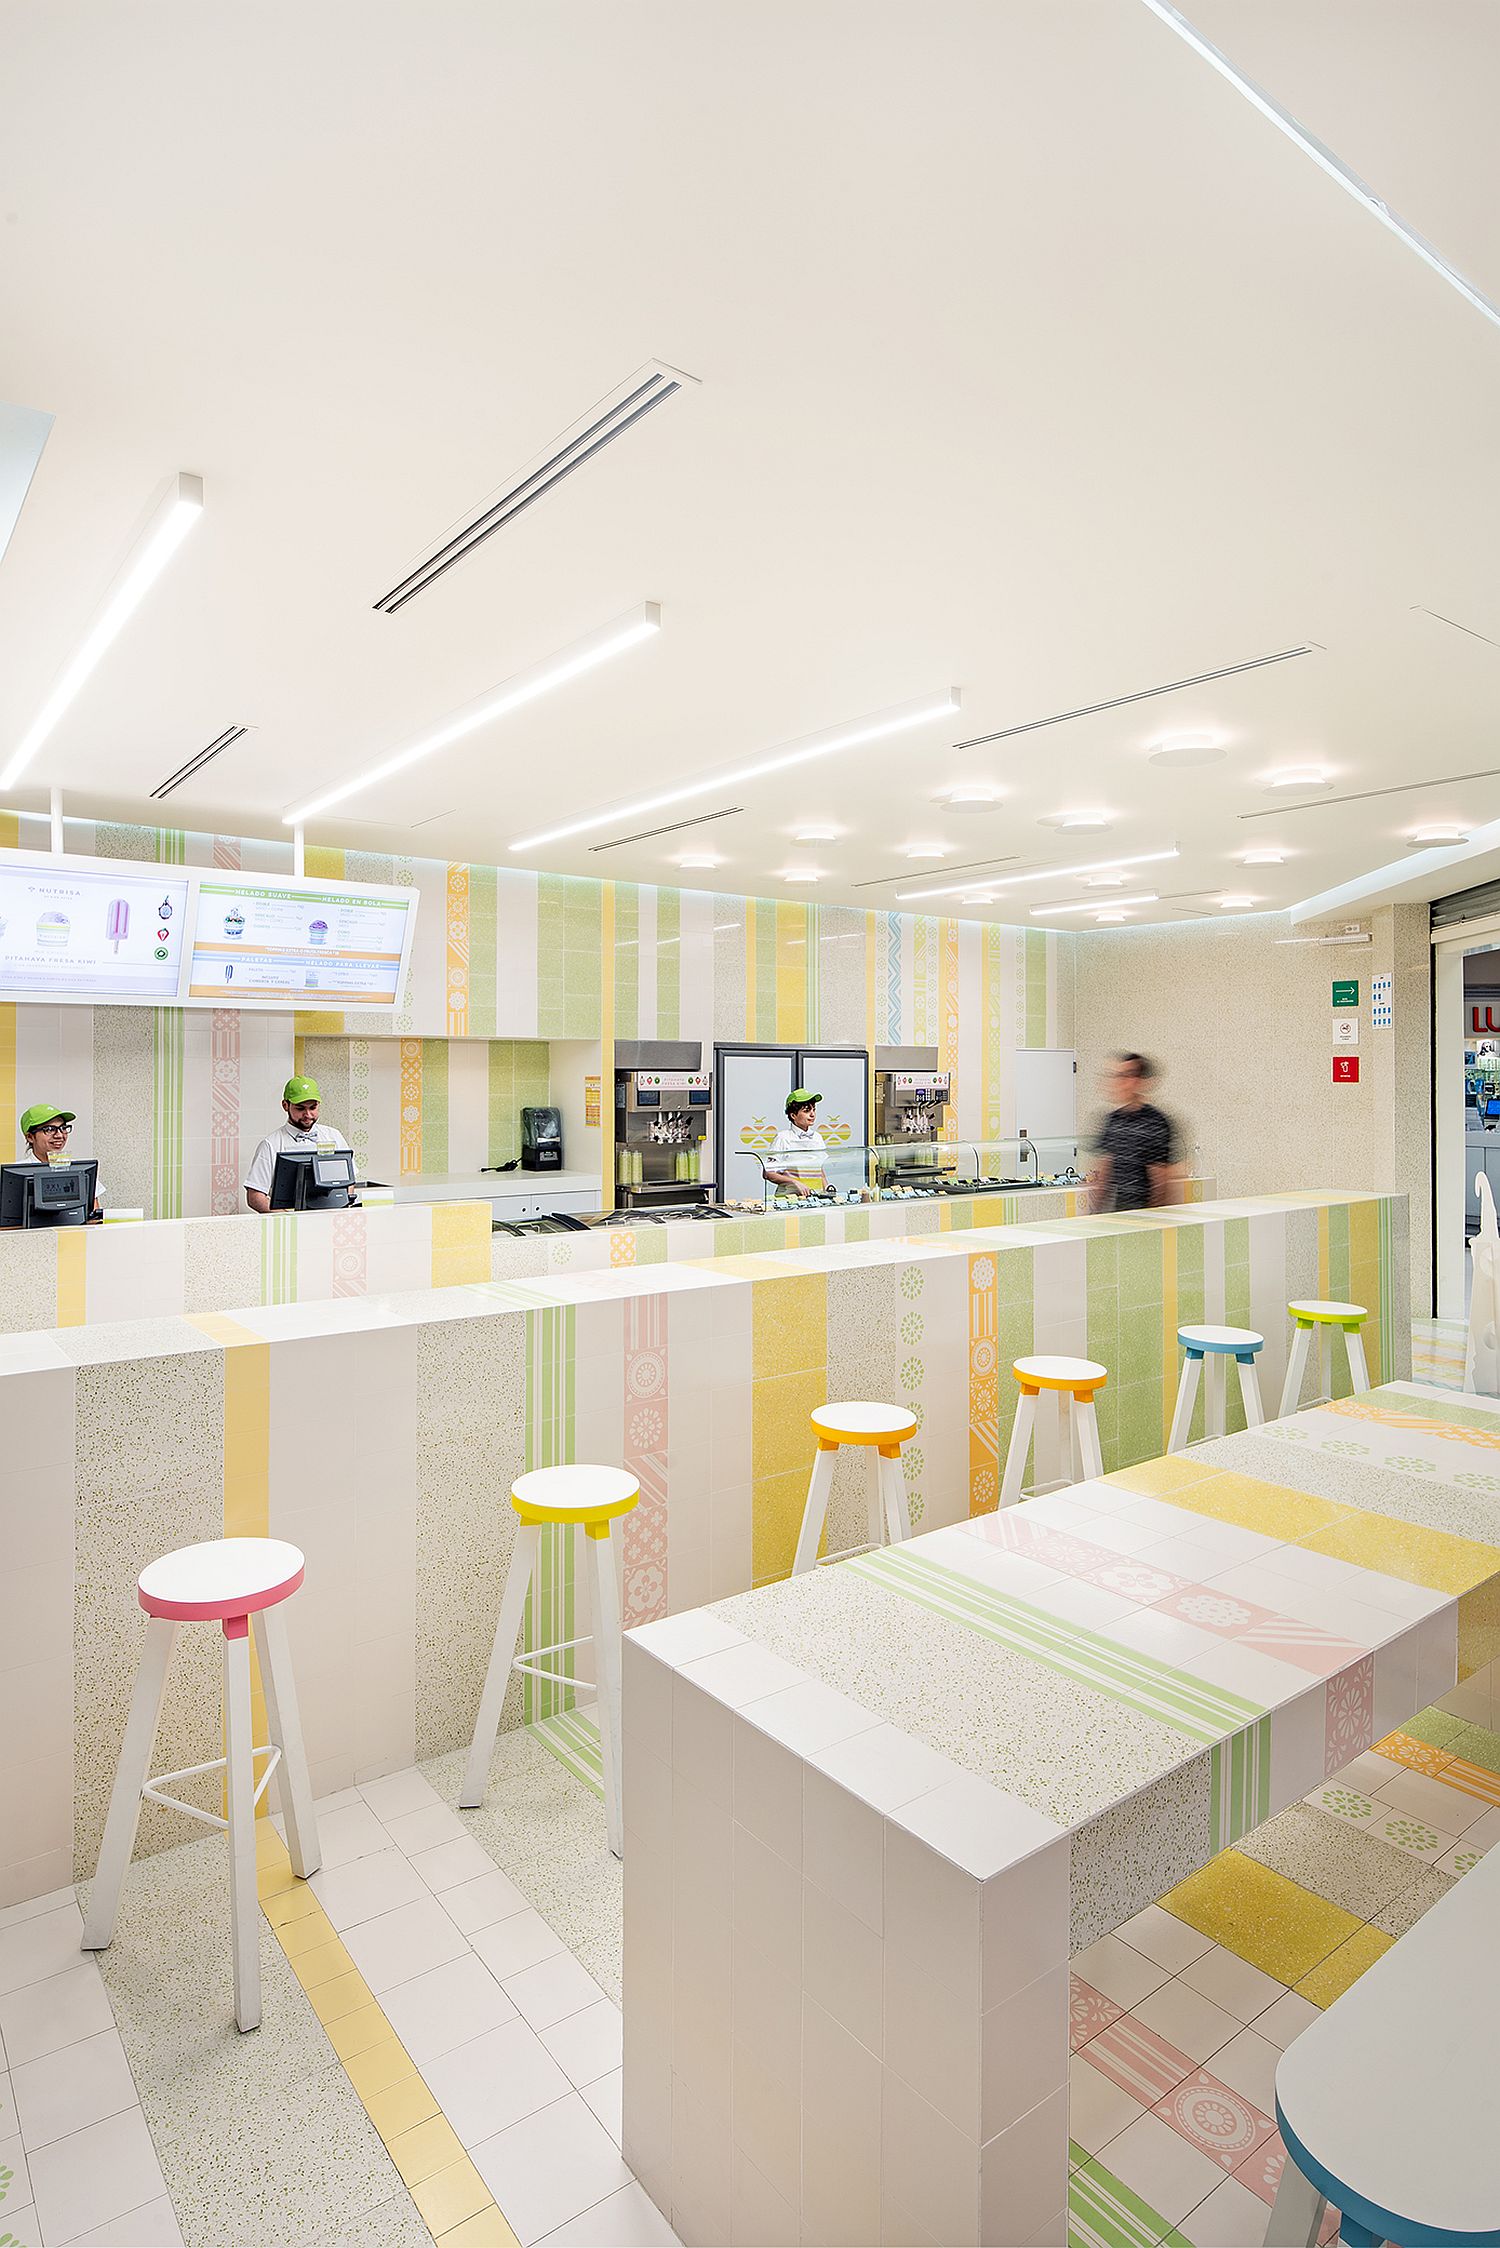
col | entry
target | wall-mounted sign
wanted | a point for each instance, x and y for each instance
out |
(593, 1088)
(1345, 994)
(1489, 1023)
(1346, 1030)
(1346, 1069)
(1382, 1001)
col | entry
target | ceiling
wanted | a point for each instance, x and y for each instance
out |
(1030, 360)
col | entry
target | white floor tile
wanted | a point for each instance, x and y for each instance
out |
(1162, 1937)
(31, 1908)
(606, 2099)
(585, 2045)
(46, 1944)
(552, 1990)
(628, 2219)
(1287, 2017)
(1484, 1830)
(41, 2017)
(9, 2126)
(367, 1888)
(1242, 1990)
(151, 2227)
(1247, 2064)
(491, 2083)
(516, 1943)
(446, 2007)
(416, 1831)
(1120, 1973)
(1422, 1798)
(17, 2192)
(352, 1831)
(403, 1944)
(1231, 2217)
(479, 1904)
(1098, 2110)
(1162, 2168)
(399, 1793)
(558, 2163)
(1188, 2020)
(444, 1867)
(68, 2090)
(81, 2182)
(335, 1800)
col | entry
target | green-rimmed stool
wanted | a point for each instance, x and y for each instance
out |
(1309, 1317)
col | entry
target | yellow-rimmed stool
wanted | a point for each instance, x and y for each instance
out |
(590, 1500)
(1073, 1382)
(879, 1429)
(1314, 1317)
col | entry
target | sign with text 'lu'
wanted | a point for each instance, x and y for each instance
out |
(1346, 1069)
(1345, 992)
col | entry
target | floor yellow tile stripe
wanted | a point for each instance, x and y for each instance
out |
(455, 2204)
(1262, 1917)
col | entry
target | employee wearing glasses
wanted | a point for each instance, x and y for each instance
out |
(45, 1130)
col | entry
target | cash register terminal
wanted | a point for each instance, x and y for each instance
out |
(35, 1194)
(318, 1180)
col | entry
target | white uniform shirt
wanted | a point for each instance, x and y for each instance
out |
(287, 1141)
(801, 1153)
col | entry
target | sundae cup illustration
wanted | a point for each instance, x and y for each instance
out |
(234, 922)
(317, 932)
(53, 929)
(117, 921)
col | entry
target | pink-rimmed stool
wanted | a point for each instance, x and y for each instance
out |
(239, 1584)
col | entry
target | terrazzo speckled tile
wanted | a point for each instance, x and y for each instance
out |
(1407, 1907)
(1285, 1457)
(1261, 1916)
(1344, 1965)
(1337, 1861)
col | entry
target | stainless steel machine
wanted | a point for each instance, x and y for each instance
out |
(911, 1096)
(663, 1119)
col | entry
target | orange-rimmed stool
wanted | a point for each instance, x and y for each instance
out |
(879, 1429)
(1073, 1381)
(585, 1499)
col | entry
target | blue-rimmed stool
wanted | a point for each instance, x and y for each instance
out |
(1206, 1351)
(1314, 1317)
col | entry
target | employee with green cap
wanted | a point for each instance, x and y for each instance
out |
(796, 1158)
(45, 1128)
(297, 1136)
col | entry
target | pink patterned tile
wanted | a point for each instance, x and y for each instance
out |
(1306, 1645)
(1037, 1541)
(1136, 1580)
(1090, 2011)
(1217, 2121)
(1141, 2063)
(1211, 1610)
(1348, 1714)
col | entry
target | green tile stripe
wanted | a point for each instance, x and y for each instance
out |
(168, 1041)
(1036, 987)
(434, 1104)
(1103, 2212)
(484, 941)
(1240, 1784)
(814, 976)
(668, 963)
(549, 1443)
(573, 1738)
(278, 1257)
(765, 970)
(1386, 1371)
(627, 960)
(1203, 1712)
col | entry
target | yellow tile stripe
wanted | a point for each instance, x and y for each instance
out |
(452, 2199)
(72, 1277)
(460, 1243)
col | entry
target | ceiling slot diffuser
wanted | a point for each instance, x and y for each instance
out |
(1141, 694)
(195, 765)
(673, 827)
(647, 389)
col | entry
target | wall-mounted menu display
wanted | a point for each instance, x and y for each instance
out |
(88, 931)
(290, 944)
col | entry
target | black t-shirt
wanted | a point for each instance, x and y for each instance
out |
(1134, 1139)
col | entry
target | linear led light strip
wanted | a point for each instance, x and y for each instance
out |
(1323, 157)
(640, 623)
(876, 727)
(170, 523)
(1096, 905)
(1043, 874)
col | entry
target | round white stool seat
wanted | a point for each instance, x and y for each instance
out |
(1227, 1342)
(577, 1493)
(222, 1577)
(1333, 1314)
(863, 1422)
(1059, 1373)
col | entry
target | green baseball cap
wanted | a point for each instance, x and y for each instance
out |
(800, 1097)
(300, 1089)
(43, 1112)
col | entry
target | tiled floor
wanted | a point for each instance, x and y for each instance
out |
(1437, 1352)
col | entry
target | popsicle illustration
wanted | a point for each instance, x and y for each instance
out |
(117, 921)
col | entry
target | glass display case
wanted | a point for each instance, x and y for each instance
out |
(926, 1170)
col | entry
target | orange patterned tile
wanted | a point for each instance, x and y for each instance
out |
(1405, 1748)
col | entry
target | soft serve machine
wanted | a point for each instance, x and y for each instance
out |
(663, 1115)
(911, 1095)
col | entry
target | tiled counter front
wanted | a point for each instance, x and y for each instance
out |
(81, 1276)
(870, 1812)
(380, 1435)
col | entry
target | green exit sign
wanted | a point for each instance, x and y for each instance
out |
(1345, 994)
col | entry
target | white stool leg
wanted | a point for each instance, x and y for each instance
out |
(1086, 1428)
(1187, 1391)
(1255, 1415)
(502, 1655)
(607, 1674)
(1068, 1443)
(131, 1775)
(1297, 2211)
(814, 1510)
(892, 1479)
(1215, 1395)
(293, 1788)
(1020, 1445)
(239, 1776)
(1296, 1367)
(874, 1501)
(1359, 1372)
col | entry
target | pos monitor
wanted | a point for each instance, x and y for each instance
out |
(318, 1180)
(33, 1194)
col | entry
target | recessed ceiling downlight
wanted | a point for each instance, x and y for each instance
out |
(1262, 858)
(1299, 776)
(1179, 751)
(816, 835)
(1115, 914)
(1104, 881)
(698, 861)
(1236, 902)
(1438, 833)
(970, 798)
(1082, 822)
(800, 874)
(924, 850)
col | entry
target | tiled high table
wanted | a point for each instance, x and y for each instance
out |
(871, 1812)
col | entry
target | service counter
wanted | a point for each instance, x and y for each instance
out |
(380, 1432)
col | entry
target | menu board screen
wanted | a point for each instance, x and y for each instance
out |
(75, 932)
(283, 945)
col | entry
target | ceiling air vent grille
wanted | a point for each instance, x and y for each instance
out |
(195, 765)
(649, 388)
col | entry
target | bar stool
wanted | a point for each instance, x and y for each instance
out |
(590, 1499)
(879, 1429)
(1216, 1345)
(1073, 1381)
(238, 1583)
(1329, 1318)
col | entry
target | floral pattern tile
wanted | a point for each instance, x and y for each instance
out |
(1218, 2121)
